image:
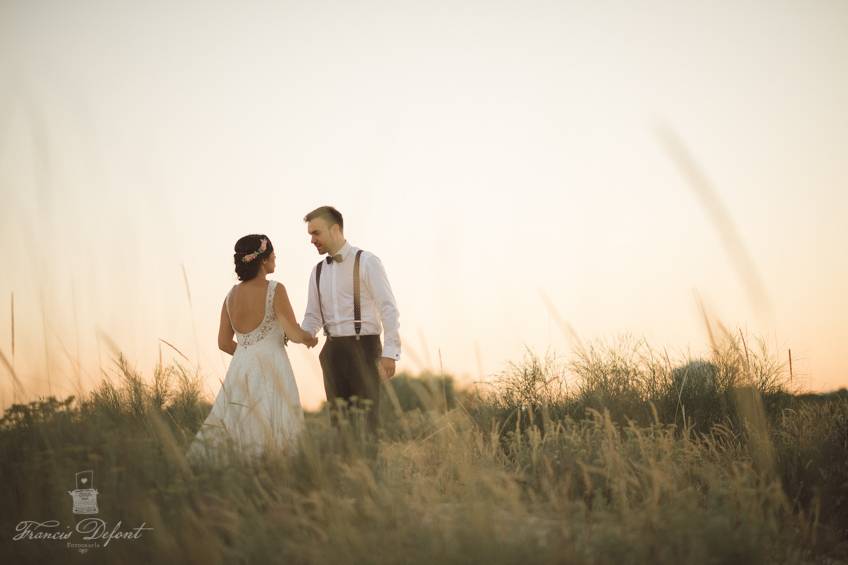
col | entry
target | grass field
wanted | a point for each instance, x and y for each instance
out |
(616, 455)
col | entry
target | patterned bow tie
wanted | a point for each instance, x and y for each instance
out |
(337, 258)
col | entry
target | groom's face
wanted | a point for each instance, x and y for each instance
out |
(322, 234)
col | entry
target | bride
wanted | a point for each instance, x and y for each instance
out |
(258, 406)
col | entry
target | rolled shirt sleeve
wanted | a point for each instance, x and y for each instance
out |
(381, 290)
(312, 318)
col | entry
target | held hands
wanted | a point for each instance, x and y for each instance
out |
(310, 341)
(386, 367)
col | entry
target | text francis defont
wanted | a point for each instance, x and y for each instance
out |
(91, 529)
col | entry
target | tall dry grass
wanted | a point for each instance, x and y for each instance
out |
(586, 460)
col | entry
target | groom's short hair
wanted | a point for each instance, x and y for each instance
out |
(329, 213)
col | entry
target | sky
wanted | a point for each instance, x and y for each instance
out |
(506, 161)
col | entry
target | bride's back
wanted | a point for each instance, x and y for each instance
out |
(246, 306)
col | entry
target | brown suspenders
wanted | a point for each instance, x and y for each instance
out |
(318, 286)
(357, 306)
(357, 300)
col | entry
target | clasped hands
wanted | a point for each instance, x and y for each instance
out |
(385, 365)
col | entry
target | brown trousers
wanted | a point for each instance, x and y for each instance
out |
(350, 370)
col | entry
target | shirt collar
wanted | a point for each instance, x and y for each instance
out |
(345, 250)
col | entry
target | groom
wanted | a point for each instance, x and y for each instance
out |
(349, 297)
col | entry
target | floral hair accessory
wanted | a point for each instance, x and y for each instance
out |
(251, 256)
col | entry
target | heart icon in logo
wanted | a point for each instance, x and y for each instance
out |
(84, 480)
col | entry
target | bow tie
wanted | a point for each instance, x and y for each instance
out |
(337, 258)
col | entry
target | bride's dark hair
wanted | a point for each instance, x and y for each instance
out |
(249, 255)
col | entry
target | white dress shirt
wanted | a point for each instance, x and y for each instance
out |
(377, 301)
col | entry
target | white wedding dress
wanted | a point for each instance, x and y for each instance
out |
(258, 407)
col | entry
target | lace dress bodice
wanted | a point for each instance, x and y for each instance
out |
(266, 327)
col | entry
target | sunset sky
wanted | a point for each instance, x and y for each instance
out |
(490, 153)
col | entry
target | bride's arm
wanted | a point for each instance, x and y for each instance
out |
(283, 309)
(225, 332)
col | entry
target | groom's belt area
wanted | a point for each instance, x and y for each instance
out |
(352, 337)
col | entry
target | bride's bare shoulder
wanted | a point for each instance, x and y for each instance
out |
(280, 289)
